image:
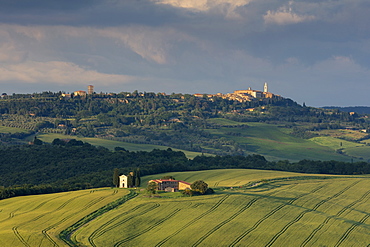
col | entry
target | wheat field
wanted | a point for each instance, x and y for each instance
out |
(249, 208)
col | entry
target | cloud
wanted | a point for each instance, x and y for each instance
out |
(151, 44)
(226, 7)
(285, 16)
(339, 67)
(57, 72)
(9, 53)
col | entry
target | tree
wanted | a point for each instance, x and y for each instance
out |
(137, 177)
(152, 188)
(57, 141)
(116, 177)
(199, 186)
(168, 177)
(37, 141)
(130, 180)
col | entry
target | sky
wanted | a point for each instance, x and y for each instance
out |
(312, 51)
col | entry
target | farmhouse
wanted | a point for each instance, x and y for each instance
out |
(170, 185)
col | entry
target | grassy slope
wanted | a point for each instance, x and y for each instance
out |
(49, 137)
(4, 129)
(311, 212)
(37, 220)
(352, 149)
(272, 142)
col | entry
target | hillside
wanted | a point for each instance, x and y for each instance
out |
(250, 207)
(278, 128)
(308, 211)
(38, 220)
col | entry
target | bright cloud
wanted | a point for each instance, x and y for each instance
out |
(226, 7)
(285, 16)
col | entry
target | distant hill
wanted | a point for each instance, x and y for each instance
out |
(357, 109)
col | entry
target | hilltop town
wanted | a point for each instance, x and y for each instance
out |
(244, 95)
(237, 95)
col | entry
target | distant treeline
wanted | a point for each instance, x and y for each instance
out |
(357, 109)
(34, 169)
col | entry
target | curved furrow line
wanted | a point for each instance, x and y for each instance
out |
(47, 236)
(12, 214)
(289, 224)
(90, 204)
(244, 234)
(100, 231)
(68, 201)
(349, 230)
(92, 235)
(245, 207)
(248, 205)
(212, 209)
(326, 221)
(93, 202)
(42, 215)
(66, 234)
(44, 231)
(59, 208)
(272, 212)
(18, 235)
(160, 222)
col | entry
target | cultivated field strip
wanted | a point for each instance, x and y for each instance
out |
(19, 237)
(211, 210)
(242, 210)
(25, 204)
(295, 220)
(38, 219)
(351, 229)
(156, 224)
(272, 212)
(108, 226)
(15, 228)
(87, 206)
(235, 215)
(326, 221)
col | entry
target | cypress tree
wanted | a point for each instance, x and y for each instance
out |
(130, 180)
(116, 177)
(137, 177)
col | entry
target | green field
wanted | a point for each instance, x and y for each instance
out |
(37, 220)
(249, 208)
(12, 130)
(49, 137)
(274, 142)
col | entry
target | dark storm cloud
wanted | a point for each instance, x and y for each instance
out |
(84, 12)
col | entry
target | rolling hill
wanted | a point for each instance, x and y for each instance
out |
(250, 207)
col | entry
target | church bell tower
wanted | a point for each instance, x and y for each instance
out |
(265, 88)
